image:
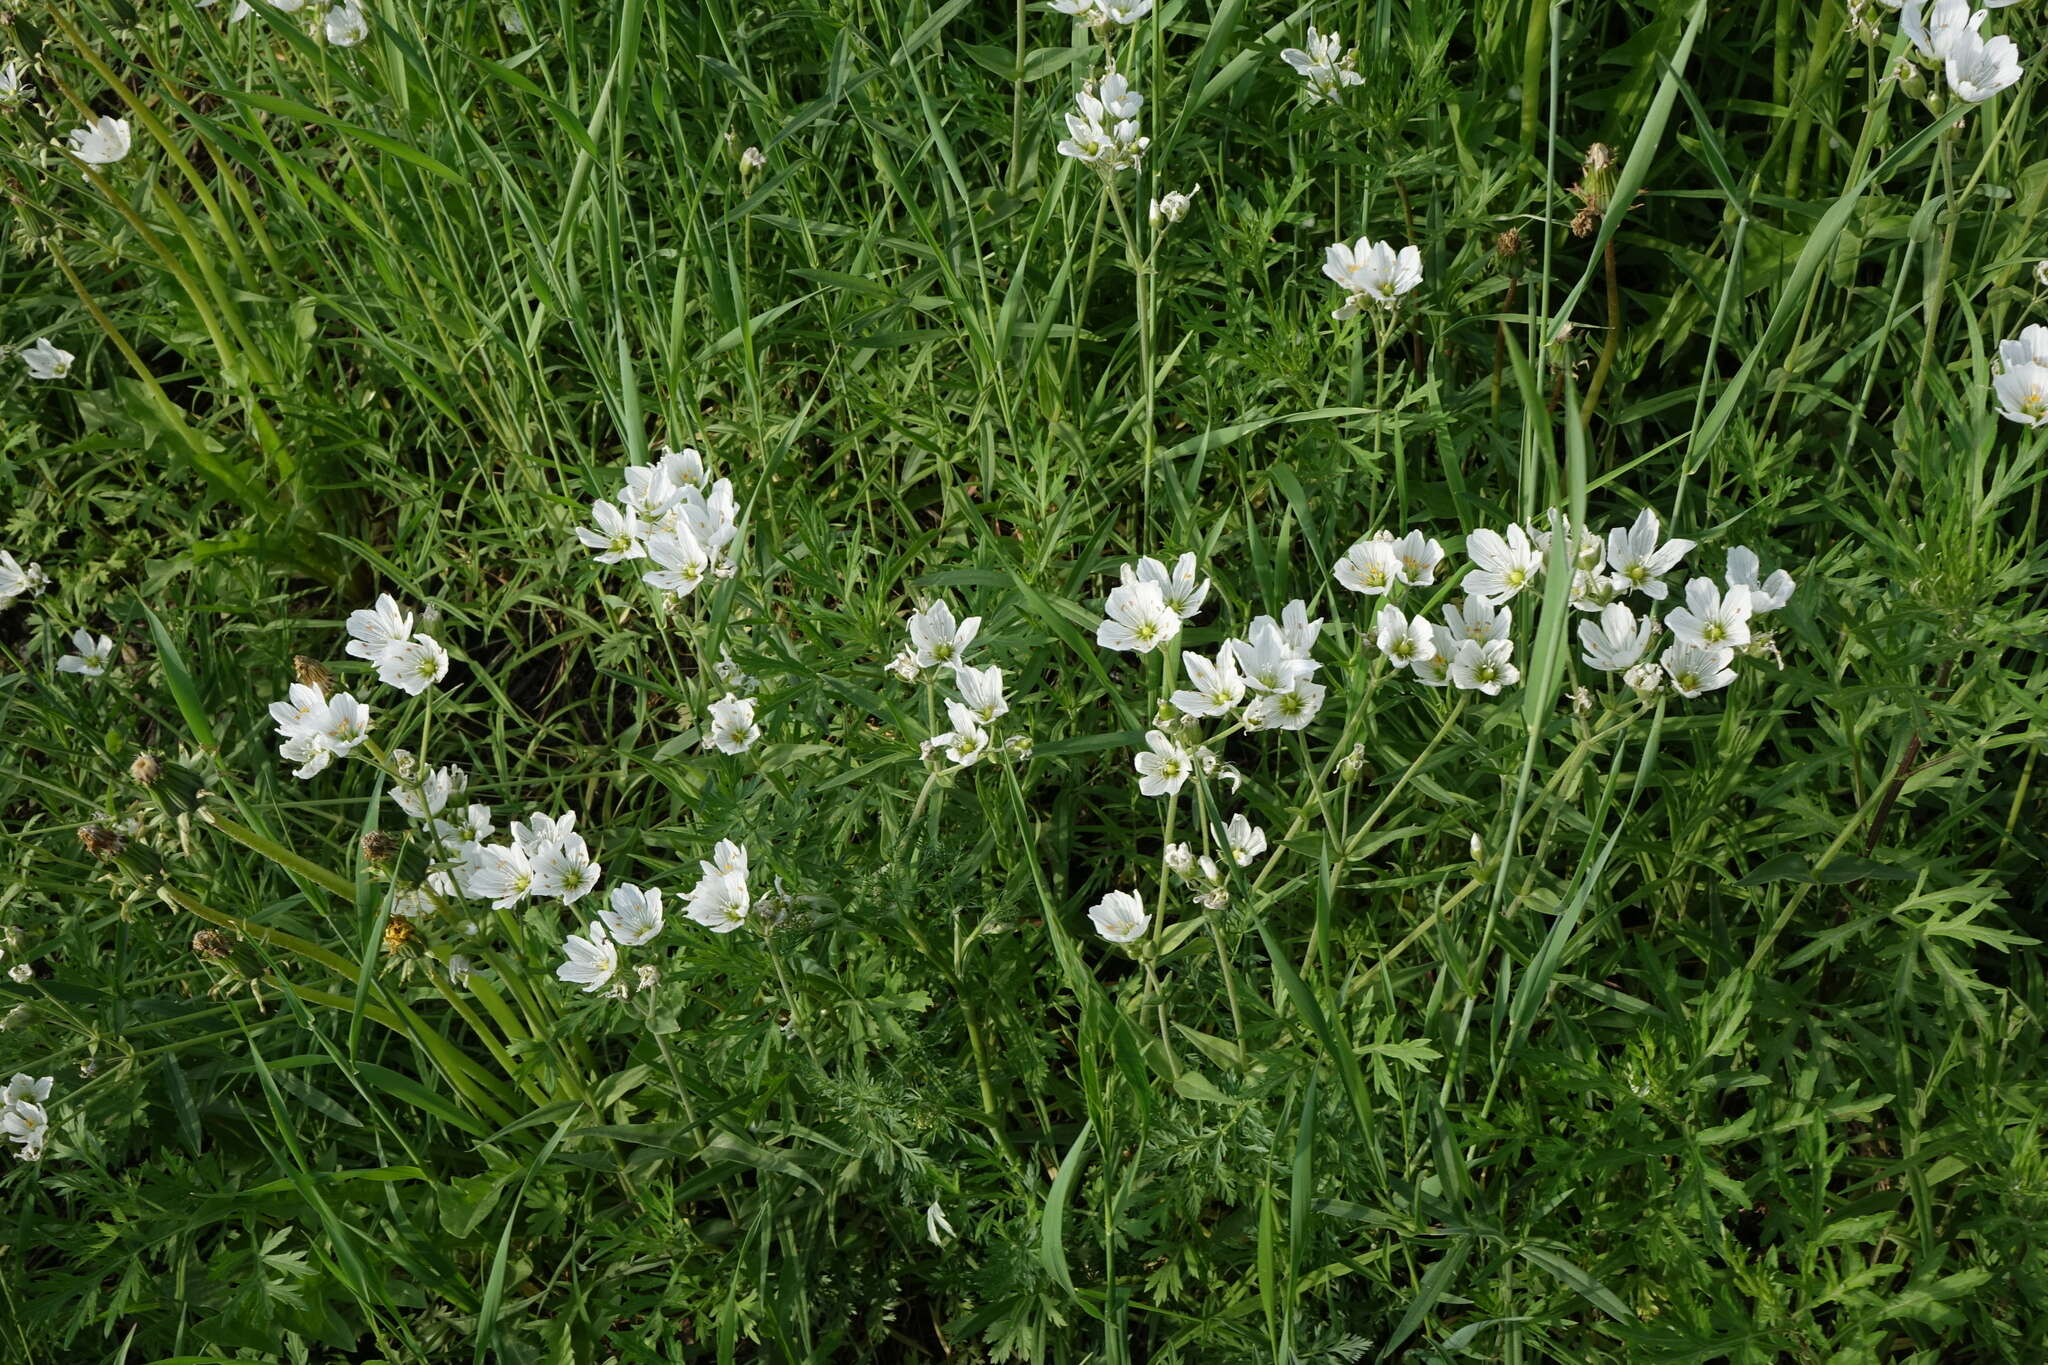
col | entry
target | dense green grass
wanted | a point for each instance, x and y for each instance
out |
(1724, 1041)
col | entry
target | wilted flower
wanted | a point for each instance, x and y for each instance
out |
(752, 160)
(935, 1225)
(1172, 206)
(14, 87)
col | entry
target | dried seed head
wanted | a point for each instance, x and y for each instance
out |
(399, 935)
(213, 945)
(379, 847)
(146, 769)
(312, 674)
(101, 842)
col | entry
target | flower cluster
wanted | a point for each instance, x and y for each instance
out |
(1102, 14)
(1209, 878)
(1472, 648)
(19, 580)
(1104, 134)
(720, 902)
(1326, 67)
(342, 23)
(317, 728)
(23, 1120)
(1273, 665)
(1371, 274)
(409, 660)
(938, 646)
(672, 513)
(1947, 37)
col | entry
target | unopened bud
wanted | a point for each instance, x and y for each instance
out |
(1352, 764)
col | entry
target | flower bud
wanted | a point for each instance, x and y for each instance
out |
(1646, 680)
(2041, 273)
(1352, 764)
(1018, 748)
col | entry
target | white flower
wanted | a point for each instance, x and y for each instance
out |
(1404, 641)
(635, 915)
(618, 534)
(935, 1225)
(21, 973)
(752, 160)
(936, 639)
(1292, 709)
(1638, 562)
(14, 87)
(345, 725)
(562, 870)
(26, 1125)
(966, 743)
(1616, 642)
(345, 25)
(17, 581)
(1589, 550)
(712, 515)
(2022, 394)
(1775, 591)
(429, 796)
(1120, 917)
(25, 1089)
(981, 692)
(1979, 67)
(682, 559)
(1487, 668)
(1214, 689)
(1268, 660)
(720, 903)
(651, 493)
(1137, 618)
(1371, 273)
(1711, 618)
(1164, 766)
(1324, 65)
(502, 875)
(1694, 669)
(1419, 557)
(727, 859)
(1104, 134)
(45, 361)
(472, 825)
(101, 142)
(1178, 588)
(685, 468)
(1936, 35)
(1247, 841)
(92, 657)
(732, 729)
(1370, 566)
(592, 959)
(538, 830)
(414, 665)
(2031, 348)
(1506, 565)
(1172, 206)
(376, 631)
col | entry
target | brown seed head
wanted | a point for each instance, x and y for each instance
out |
(101, 842)
(312, 674)
(146, 769)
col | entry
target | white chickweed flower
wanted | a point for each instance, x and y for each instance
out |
(1772, 592)
(1164, 766)
(1978, 67)
(1104, 133)
(1137, 618)
(17, 580)
(732, 729)
(377, 630)
(412, 666)
(1120, 917)
(1638, 562)
(1371, 273)
(15, 90)
(1486, 667)
(1247, 841)
(1694, 669)
(981, 692)
(682, 560)
(592, 959)
(1214, 689)
(1324, 66)
(936, 639)
(1405, 642)
(563, 870)
(2022, 394)
(1180, 588)
(1371, 566)
(721, 902)
(1711, 618)
(101, 142)
(634, 916)
(752, 160)
(345, 25)
(1419, 557)
(618, 533)
(1506, 564)
(45, 361)
(92, 657)
(1291, 709)
(1615, 643)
